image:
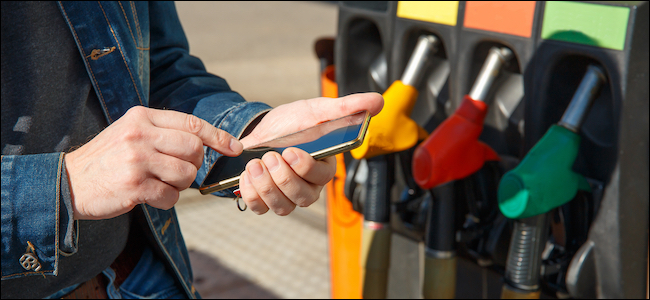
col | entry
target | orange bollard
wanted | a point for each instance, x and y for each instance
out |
(343, 223)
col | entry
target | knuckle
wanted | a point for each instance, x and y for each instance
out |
(187, 174)
(307, 199)
(131, 156)
(136, 111)
(191, 172)
(283, 211)
(196, 145)
(257, 206)
(162, 196)
(265, 191)
(168, 197)
(284, 182)
(222, 137)
(193, 124)
(303, 201)
(132, 133)
(133, 178)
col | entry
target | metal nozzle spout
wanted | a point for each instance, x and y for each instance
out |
(584, 96)
(426, 45)
(497, 57)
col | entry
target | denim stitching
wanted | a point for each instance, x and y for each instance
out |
(137, 23)
(137, 28)
(178, 246)
(164, 228)
(159, 241)
(56, 225)
(28, 273)
(137, 93)
(127, 23)
(101, 97)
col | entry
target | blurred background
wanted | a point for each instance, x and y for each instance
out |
(265, 50)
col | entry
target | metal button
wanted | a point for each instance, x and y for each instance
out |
(30, 262)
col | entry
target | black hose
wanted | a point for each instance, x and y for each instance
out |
(440, 231)
(377, 204)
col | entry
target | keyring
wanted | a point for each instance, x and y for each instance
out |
(238, 194)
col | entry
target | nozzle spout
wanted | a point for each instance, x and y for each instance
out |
(426, 45)
(490, 70)
(584, 96)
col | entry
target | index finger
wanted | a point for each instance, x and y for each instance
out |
(215, 138)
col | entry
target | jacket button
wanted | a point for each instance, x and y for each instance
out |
(30, 262)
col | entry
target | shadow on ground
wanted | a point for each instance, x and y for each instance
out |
(214, 281)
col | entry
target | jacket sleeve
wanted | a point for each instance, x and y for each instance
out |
(180, 81)
(33, 230)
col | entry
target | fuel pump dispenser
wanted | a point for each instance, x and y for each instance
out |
(542, 181)
(453, 152)
(392, 130)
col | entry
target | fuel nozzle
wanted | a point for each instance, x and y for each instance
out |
(392, 130)
(497, 57)
(453, 151)
(544, 178)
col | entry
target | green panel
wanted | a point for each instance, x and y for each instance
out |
(584, 23)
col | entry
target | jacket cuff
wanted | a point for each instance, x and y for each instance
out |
(30, 214)
(68, 227)
(233, 120)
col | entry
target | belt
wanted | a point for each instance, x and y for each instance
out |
(123, 265)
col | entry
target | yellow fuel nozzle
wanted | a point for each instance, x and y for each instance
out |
(393, 130)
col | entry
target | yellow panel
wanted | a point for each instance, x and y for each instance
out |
(442, 12)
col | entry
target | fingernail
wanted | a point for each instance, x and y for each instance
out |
(271, 162)
(255, 169)
(236, 146)
(291, 157)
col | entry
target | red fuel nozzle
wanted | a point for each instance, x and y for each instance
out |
(453, 150)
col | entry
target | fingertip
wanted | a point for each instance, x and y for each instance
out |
(372, 102)
(236, 146)
(290, 156)
(376, 104)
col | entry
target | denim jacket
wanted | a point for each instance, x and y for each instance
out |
(135, 53)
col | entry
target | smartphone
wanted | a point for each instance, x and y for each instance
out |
(320, 141)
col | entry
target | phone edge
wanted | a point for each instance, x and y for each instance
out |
(341, 148)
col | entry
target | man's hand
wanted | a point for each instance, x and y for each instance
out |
(280, 182)
(147, 156)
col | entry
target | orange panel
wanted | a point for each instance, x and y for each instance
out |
(510, 17)
(343, 223)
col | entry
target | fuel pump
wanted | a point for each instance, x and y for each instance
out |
(453, 152)
(390, 131)
(543, 181)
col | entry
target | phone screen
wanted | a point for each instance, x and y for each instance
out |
(322, 140)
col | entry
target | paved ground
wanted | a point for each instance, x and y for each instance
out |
(265, 51)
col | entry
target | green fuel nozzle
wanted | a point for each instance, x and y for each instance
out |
(544, 179)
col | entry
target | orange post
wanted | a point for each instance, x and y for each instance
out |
(343, 223)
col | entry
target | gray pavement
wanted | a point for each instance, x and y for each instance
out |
(263, 49)
(265, 52)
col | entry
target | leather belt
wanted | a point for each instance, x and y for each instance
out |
(123, 265)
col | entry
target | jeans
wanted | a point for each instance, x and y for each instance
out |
(148, 280)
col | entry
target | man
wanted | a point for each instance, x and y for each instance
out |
(101, 217)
